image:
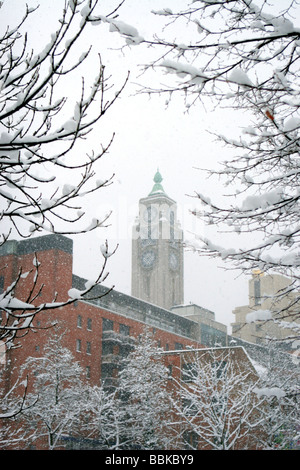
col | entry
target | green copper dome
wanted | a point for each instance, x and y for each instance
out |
(157, 188)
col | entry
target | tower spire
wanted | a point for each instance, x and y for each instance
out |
(157, 188)
(157, 250)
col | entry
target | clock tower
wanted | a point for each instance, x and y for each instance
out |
(157, 250)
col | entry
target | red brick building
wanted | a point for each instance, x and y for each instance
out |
(100, 331)
(213, 386)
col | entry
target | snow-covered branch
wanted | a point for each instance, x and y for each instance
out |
(216, 402)
(45, 180)
(37, 141)
(243, 56)
(18, 316)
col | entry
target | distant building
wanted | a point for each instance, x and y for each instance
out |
(104, 327)
(157, 250)
(209, 331)
(182, 365)
(158, 264)
(100, 331)
(271, 304)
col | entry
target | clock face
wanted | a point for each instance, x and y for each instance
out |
(148, 258)
(173, 261)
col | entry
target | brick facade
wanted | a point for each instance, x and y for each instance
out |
(100, 332)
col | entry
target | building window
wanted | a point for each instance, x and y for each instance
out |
(79, 321)
(124, 329)
(88, 372)
(189, 372)
(149, 222)
(88, 347)
(178, 346)
(107, 325)
(89, 324)
(78, 345)
(219, 404)
(2, 353)
(107, 348)
(172, 225)
(147, 285)
(257, 294)
(220, 368)
(190, 440)
(236, 327)
(173, 292)
(189, 408)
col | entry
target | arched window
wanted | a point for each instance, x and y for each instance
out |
(172, 218)
(149, 221)
(257, 293)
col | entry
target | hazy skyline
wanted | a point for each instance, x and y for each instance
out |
(148, 135)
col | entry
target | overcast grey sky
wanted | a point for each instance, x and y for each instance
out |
(149, 135)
